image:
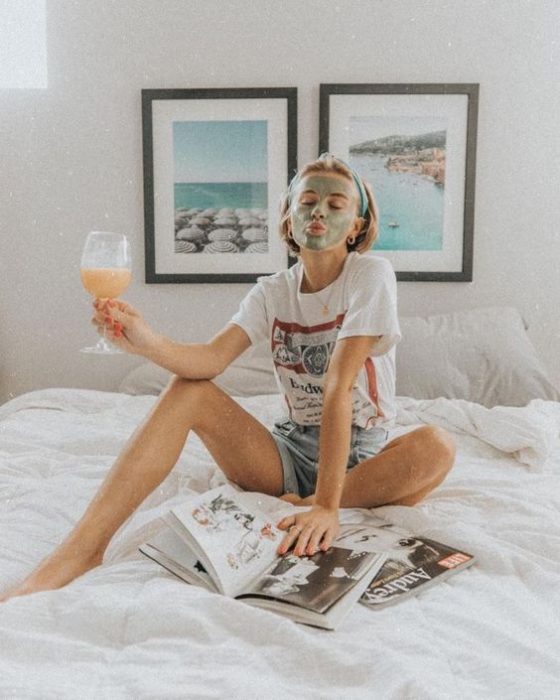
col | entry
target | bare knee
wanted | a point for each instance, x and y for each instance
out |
(438, 446)
(190, 397)
(431, 450)
(184, 386)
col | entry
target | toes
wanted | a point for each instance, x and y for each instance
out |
(292, 498)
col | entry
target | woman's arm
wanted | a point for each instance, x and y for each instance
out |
(130, 332)
(347, 359)
(319, 526)
(200, 360)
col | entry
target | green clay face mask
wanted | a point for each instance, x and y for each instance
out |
(323, 210)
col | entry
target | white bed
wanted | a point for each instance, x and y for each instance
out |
(128, 629)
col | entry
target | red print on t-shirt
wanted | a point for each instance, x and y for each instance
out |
(304, 349)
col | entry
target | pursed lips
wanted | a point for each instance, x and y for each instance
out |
(316, 228)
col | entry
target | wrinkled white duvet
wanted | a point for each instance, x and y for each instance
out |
(128, 629)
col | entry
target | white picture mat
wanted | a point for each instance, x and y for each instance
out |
(164, 113)
(452, 107)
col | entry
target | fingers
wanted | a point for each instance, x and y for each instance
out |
(294, 534)
(308, 532)
(308, 540)
(286, 522)
(106, 323)
(103, 304)
(113, 328)
(328, 538)
(305, 541)
(302, 543)
(313, 542)
(291, 535)
(111, 316)
(119, 311)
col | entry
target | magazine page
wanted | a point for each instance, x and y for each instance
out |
(172, 552)
(333, 616)
(412, 562)
(234, 541)
(315, 582)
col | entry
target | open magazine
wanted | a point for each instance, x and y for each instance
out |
(412, 563)
(218, 540)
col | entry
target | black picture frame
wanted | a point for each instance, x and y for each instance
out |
(176, 120)
(440, 238)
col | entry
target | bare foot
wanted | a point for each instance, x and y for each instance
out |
(60, 568)
(297, 500)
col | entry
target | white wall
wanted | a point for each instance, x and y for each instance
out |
(71, 155)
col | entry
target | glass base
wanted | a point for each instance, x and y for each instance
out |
(102, 348)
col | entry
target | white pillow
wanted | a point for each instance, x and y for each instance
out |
(145, 379)
(251, 374)
(482, 355)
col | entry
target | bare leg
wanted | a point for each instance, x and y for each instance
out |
(243, 448)
(403, 473)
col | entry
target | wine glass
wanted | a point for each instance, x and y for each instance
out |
(106, 272)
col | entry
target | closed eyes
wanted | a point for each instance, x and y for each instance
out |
(311, 202)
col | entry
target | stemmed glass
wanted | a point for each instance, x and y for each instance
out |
(106, 272)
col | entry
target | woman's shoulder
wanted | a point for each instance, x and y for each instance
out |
(370, 263)
(279, 280)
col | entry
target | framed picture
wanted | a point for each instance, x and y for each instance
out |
(416, 145)
(216, 162)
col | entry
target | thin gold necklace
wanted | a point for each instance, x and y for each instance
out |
(324, 304)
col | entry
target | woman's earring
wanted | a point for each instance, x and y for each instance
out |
(351, 240)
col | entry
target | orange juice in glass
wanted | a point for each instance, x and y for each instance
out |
(105, 282)
(105, 271)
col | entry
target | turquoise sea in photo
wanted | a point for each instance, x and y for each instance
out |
(217, 195)
(412, 201)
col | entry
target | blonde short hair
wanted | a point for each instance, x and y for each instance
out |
(327, 164)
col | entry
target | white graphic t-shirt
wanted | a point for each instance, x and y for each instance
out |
(361, 301)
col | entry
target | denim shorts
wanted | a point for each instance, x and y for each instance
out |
(299, 450)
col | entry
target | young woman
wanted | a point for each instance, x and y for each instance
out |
(331, 322)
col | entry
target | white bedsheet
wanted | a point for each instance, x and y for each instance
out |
(128, 629)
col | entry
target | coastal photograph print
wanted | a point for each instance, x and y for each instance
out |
(416, 145)
(216, 162)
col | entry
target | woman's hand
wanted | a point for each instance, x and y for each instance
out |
(123, 325)
(309, 531)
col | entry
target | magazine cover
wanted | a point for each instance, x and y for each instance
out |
(412, 563)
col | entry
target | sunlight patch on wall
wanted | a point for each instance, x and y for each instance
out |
(23, 44)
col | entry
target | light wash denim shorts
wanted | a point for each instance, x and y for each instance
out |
(299, 450)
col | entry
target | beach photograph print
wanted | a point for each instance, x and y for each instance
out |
(403, 157)
(220, 187)
(415, 143)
